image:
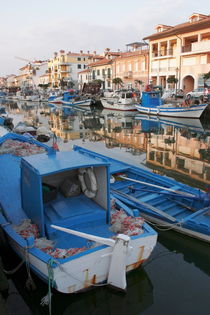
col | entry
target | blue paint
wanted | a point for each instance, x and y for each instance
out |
(23, 179)
(191, 213)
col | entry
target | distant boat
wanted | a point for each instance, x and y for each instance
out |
(70, 98)
(161, 200)
(151, 104)
(63, 221)
(120, 101)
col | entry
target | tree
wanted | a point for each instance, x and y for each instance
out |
(118, 82)
(172, 80)
(98, 81)
(206, 77)
(44, 86)
(138, 82)
(63, 83)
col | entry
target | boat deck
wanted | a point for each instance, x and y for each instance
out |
(78, 213)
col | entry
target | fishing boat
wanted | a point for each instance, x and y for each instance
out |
(122, 100)
(62, 221)
(72, 98)
(152, 104)
(161, 200)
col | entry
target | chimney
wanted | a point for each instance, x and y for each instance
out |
(88, 51)
(62, 51)
(94, 52)
(81, 51)
(55, 54)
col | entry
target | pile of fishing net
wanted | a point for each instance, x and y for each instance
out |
(121, 223)
(19, 148)
(27, 229)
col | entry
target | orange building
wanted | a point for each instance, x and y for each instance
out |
(132, 66)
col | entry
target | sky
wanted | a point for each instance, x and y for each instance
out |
(35, 29)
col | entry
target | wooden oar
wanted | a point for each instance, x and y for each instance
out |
(184, 194)
(102, 240)
(143, 204)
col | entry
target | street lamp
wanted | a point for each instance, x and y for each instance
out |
(177, 69)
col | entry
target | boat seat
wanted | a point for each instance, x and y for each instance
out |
(73, 212)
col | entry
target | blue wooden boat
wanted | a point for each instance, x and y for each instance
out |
(152, 104)
(71, 98)
(61, 222)
(161, 200)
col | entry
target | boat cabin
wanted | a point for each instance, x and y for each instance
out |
(51, 194)
(151, 99)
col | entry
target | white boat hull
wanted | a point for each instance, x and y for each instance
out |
(185, 112)
(78, 103)
(178, 228)
(89, 269)
(118, 106)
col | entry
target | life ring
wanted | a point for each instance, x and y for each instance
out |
(90, 193)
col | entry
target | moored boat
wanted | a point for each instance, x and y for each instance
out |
(161, 200)
(151, 104)
(62, 222)
(123, 101)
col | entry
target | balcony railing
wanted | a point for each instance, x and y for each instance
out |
(162, 53)
(187, 48)
(197, 47)
(128, 74)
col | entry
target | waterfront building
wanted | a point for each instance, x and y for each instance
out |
(181, 51)
(83, 77)
(132, 66)
(29, 75)
(11, 82)
(63, 68)
(102, 69)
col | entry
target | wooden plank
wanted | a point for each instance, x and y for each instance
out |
(141, 203)
(184, 194)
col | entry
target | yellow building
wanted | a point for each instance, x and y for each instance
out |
(181, 51)
(63, 68)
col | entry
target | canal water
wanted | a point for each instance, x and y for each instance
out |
(176, 278)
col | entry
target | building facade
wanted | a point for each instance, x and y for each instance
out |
(181, 52)
(132, 66)
(103, 68)
(63, 68)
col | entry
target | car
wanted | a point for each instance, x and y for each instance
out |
(199, 92)
(179, 93)
(107, 92)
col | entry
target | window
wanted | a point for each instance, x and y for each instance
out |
(79, 67)
(84, 59)
(79, 59)
(84, 66)
(98, 72)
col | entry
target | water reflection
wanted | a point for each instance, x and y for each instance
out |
(176, 147)
(97, 301)
(179, 268)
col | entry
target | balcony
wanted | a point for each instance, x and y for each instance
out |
(128, 74)
(197, 47)
(163, 53)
